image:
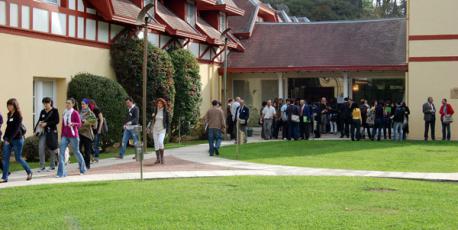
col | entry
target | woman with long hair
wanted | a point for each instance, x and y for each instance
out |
(46, 131)
(355, 131)
(160, 125)
(97, 129)
(71, 122)
(14, 139)
(86, 134)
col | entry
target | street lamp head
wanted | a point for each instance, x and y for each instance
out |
(144, 13)
(224, 33)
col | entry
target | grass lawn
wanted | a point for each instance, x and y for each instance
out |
(411, 156)
(16, 167)
(234, 203)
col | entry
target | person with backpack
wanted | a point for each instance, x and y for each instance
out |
(99, 129)
(46, 131)
(446, 112)
(398, 118)
(86, 133)
(14, 139)
(71, 122)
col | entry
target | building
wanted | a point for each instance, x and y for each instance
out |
(43, 43)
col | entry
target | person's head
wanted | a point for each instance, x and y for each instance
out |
(444, 101)
(323, 100)
(214, 103)
(288, 101)
(264, 103)
(302, 102)
(242, 102)
(13, 106)
(70, 103)
(85, 104)
(354, 106)
(361, 101)
(229, 101)
(430, 99)
(404, 104)
(47, 103)
(160, 103)
(129, 101)
(92, 104)
(375, 102)
(237, 99)
(269, 102)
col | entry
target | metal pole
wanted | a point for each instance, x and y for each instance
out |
(237, 146)
(145, 82)
(179, 131)
(225, 71)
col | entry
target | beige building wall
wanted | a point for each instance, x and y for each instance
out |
(210, 85)
(22, 59)
(432, 78)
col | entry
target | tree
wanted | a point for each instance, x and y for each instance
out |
(109, 96)
(127, 60)
(187, 86)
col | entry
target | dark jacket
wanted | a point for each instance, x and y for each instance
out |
(429, 113)
(399, 114)
(1, 123)
(307, 112)
(13, 127)
(292, 110)
(379, 113)
(166, 120)
(243, 113)
(51, 118)
(133, 116)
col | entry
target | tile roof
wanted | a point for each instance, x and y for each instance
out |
(244, 24)
(325, 44)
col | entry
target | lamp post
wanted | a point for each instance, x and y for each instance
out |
(224, 35)
(143, 19)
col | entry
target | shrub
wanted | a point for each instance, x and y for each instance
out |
(30, 149)
(127, 60)
(187, 86)
(109, 96)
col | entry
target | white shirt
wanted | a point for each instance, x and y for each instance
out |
(234, 107)
(268, 112)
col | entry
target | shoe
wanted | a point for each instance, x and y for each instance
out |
(158, 158)
(96, 160)
(4, 181)
(135, 157)
(41, 170)
(29, 176)
(216, 152)
(161, 153)
(119, 157)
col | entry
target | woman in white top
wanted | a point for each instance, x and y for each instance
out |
(160, 125)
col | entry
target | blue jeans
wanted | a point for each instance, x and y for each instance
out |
(293, 130)
(15, 145)
(61, 170)
(398, 130)
(96, 145)
(214, 139)
(125, 141)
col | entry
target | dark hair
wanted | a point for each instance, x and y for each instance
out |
(230, 100)
(75, 105)
(445, 99)
(129, 99)
(264, 103)
(15, 104)
(214, 102)
(47, 100)
(164, 103)
(354, 105)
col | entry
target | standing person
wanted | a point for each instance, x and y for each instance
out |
(234, 106)
(446, 111)
(398, 118)
(86, 133)
(405, 130)
(242, 115)
(46, 131)
(268, 115)
(364, 107)
(284, 118)
(306, 120)
(97, 129)
(229, 120)
(345, 113)
(216, 125)
(429, 111)
(387, 122)
(378, 120)
(71, 122)
(160, 123)
(324, 115)
(131, 121)
(14, 139)
(293, 120)
(333, 116)
(261, 121)
(356, 122)
(277, 119)
(1, 123)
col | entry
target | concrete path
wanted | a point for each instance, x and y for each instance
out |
(209, 167)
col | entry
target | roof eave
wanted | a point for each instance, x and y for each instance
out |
(272, 69)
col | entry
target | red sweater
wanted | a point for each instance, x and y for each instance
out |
(449, 110)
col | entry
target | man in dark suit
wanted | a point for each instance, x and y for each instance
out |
(306, 119)
(242, 115)
(132, 118)
(429, 111)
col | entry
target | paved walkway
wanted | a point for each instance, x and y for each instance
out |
(193, 161)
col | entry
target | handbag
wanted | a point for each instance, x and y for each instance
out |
(295, 118)
(51, 140)
(447, 119)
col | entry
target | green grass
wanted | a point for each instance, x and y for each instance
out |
(130, 151)
(234, 203)
(412, 156)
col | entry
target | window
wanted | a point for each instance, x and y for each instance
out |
(222, 21)
(55, 2)
(41, 89)
(191, 13)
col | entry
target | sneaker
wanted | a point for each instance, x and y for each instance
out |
(41, 170)
(29, 176)
(96, 160)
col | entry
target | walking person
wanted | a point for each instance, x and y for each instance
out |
(356, 122)
(446, 111)
(97, 129)
(86, 133)
(46, 131)
(161, 121)
(267, 116)
(216, 126)
(131, 121)
(429, 116)
(398, 122)
(71, 122)
(242, 115)
(14, 139)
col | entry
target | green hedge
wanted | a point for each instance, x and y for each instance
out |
(188, 88)
(109, 96)
(127, 61)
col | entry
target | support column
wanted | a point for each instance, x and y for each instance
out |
(346, 84)
(280, 85)
(285, 84)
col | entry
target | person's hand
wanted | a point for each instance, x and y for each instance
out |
(7, 143)
(43, 124)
